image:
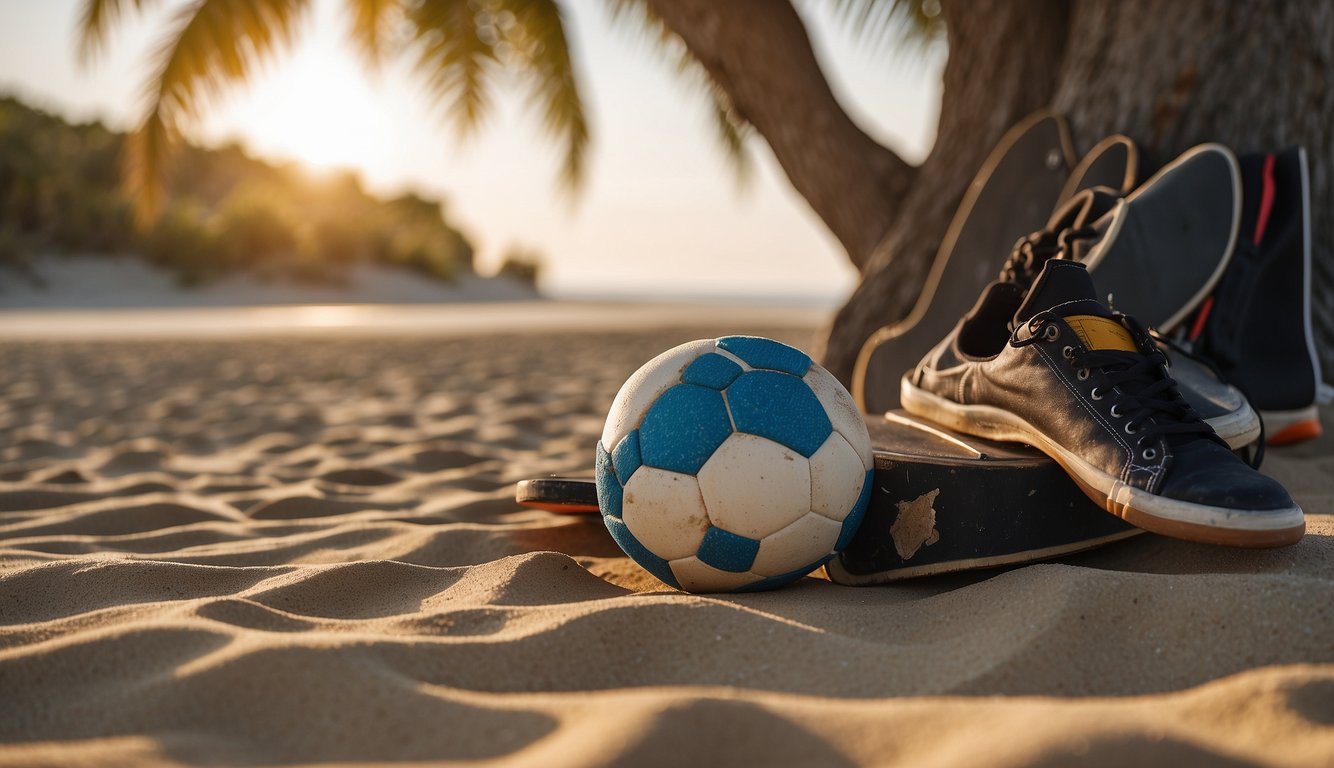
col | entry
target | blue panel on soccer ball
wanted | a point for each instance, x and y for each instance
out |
(854, 518)
(639, 553)
(780, 407)
(712, 371)
(626, 457)
(727, 551)
(683, 428)
(609, 488)
(783, 579)
(767, 354)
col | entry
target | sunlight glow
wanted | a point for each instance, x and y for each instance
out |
(318, 107)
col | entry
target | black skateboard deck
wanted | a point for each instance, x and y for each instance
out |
(945, 502)
(942, 502)
(1012, 195)
(1167, 244)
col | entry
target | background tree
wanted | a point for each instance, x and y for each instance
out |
(1171, 74)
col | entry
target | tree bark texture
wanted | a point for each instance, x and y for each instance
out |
(759, 53)
(1255, 75)
(1252, 74)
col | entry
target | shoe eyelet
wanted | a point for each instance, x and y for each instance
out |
(1131, 428)
(1051, 332)
(1150, 454)
(1083, 374)
(1068, 352)
(1096, 394)
(1115, 411)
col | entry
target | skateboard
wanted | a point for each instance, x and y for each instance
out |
(942, 502)
(1166, 245)
(1012, 195)
(1113, 163)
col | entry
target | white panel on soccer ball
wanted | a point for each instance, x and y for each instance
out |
(665, 512)
(842, 411)
(837, 477)
(694, 575)
(753, 486)
(800, 544)
(642, 388)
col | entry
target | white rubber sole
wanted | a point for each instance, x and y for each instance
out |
(1170, 517)
(1239, 428)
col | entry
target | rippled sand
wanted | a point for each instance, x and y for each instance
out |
(282, 551)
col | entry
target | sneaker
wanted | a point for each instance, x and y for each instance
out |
(1089, 388)
(1256, 327)
(1081, 222)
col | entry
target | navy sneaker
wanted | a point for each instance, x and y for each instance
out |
(1072, 231)
(1256, 327)
(1054, 368)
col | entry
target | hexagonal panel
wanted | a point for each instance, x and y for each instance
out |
(837, 477)
(683, 428)
(780, 407)
(665, 512)
(712, 370)
(759, 352)
(843, 413)
(645, 385)
(638, 552)
(753, 486)
(694, 575)
(727, 551)
(609, 487)
(800, 545)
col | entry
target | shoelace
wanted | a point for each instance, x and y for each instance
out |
(1259, 455)
(1147, 399)
(1031, 252)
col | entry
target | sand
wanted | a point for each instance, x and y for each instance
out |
(305, 550)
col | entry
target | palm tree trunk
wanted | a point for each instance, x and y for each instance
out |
(758, 52)
(1252, 74)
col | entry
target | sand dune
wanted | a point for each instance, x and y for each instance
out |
(293, 551)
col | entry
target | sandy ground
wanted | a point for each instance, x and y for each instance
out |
(305, 550)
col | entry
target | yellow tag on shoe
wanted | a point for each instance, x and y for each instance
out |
(1101, 333)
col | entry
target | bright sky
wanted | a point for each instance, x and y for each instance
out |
(661, 212)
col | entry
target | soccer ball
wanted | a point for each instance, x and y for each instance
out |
(733, 464)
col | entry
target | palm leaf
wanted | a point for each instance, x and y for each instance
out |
(213, 43)
(537, 39)
(369, 21)
(911, 24)
(96, 21)
(730, 127)
(456, 55)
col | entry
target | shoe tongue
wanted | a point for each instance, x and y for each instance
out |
(1065, 289)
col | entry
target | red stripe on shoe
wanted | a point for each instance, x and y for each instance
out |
(1266, 200)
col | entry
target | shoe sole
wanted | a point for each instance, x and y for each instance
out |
(1169, 517)
(1294, 426)
(1139, 260)
(1238, 428)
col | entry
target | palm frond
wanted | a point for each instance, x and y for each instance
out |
(911, 25)
(96, 21)
(213, 43)
(538, 41)
(369, 19)
(730, 127)
(456, 54)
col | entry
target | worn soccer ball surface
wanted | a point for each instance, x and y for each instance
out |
(733, 464)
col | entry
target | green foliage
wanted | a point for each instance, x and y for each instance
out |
(459, 46)
(521, 264)
(227, 213)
